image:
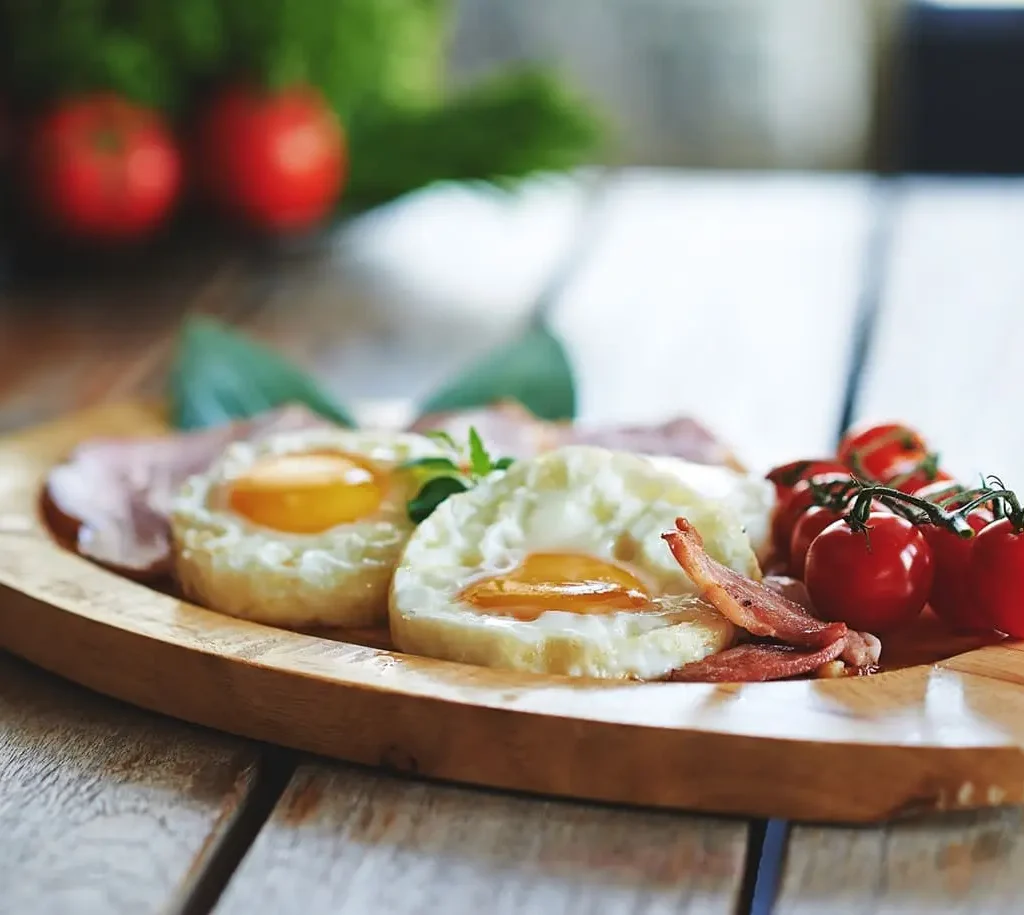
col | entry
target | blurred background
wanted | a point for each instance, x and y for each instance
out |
(399, 182)
(430, 90)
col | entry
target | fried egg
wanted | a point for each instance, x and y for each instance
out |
(558, 566)
(298, 530)
(752, 497)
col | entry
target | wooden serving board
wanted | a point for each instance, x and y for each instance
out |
(941, 735)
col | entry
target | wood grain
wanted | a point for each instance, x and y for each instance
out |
(938, 737)
(105, 809)
(963, 863)
(357, 842)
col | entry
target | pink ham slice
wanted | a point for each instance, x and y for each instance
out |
(682, 438)
(509, 429)
(112, 497)
(757, 663)
(751, 605)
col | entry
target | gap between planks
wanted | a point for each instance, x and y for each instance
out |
(220, 858)
(768, 842)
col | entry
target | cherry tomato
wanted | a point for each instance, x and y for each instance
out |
(811, 523)
(951, 596)
(786, 476)
(875, 449)
(789, 509)
(995, 577)
(941, 492)
(876, 582)
(101, 167)
(910, 477)
(277, 159)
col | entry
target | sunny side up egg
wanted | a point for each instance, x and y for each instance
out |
(558, 566)
(299, 530)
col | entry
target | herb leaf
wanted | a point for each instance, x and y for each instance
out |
(503, 463)
(218, 375)
(533, 370)
(433, 494)
(479, 459)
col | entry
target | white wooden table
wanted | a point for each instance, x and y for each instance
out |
(776, 308)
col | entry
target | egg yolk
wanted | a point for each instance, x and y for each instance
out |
(306, 493)
(557, 581)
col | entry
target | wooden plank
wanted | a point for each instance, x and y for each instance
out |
(944, 354)
(415, 290)
(962, 863)
(351, 841)
(104, 809)
(729, 297)
(953, 275)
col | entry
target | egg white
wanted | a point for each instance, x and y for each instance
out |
(339, 577)
(580, 499)
(752, 497)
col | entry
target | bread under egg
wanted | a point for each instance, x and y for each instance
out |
(299, 530)
(558, 566)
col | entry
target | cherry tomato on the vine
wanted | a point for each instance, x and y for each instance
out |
(941, 492)
(786, 476)
(911, 477)
(811, 523)
(791, 506)
(875, 449)
(874, 582)
(996, 577)
(951, 596)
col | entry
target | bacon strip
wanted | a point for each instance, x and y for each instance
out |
(749, 604)
(756, 663)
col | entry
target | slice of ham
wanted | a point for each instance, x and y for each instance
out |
(112, 497)
(509, 429)
(682, 438)
(757, 663)
(751, 605)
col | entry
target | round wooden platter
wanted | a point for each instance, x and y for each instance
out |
(941, 735)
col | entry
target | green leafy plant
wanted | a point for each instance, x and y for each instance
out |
(441, 477)
(533, 370)
(219, 375)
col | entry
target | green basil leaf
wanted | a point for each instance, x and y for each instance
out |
(479, 459)
(504, 463)
(218, 375)
(533, 370)
(431, 463)
(432, 495)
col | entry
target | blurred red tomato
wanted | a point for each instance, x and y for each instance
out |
(276, 159)
(100, 167)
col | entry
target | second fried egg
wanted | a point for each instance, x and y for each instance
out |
(558, 566)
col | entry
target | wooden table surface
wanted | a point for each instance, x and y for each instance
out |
(777, 308)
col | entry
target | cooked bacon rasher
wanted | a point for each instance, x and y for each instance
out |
(764, 612)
